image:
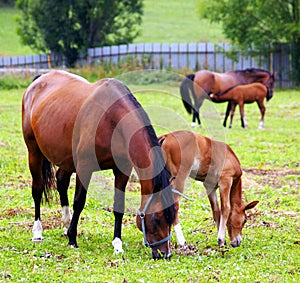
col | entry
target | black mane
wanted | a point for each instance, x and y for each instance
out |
(160, 180)
(252, 70)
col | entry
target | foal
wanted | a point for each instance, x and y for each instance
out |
(214, 163)
(242, 94)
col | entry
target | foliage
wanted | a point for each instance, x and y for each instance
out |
(270, 248)
(68, 27)
(258, 23)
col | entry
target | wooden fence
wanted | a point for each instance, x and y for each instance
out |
(193, 56)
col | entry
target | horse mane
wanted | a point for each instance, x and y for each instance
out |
(36, 77)
(252, 70)
(160, 180)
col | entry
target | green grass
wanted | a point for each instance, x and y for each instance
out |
(176, 21)
(10, 43)
(163, 21)
(270, 249)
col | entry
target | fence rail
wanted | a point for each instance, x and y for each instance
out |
(194, 56)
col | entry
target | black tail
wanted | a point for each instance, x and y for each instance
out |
(186, 86)
(48, 179)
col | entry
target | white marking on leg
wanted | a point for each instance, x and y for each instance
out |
(221, 232)
(66, 218)
(193, 125)
(117, 244)
(37, 231)
(179, 235)
(261, 125)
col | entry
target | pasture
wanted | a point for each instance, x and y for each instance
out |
(270, 249)
(163, 21)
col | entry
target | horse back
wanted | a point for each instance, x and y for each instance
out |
(250, 92)
(217, 159)
(213, 82)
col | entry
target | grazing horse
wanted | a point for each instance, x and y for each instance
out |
(241, 94)
(84, 127)
(201, 84)
(214, 163)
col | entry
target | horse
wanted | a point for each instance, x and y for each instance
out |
(214, 163)
(201, 84)
(241, 94)
(82, 127)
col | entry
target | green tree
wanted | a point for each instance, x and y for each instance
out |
(70, 26)
(258, 22)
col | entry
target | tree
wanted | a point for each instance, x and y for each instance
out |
(70, 26)
(258, 22)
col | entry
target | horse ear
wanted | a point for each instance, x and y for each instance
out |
(251, 205)
(161, 140)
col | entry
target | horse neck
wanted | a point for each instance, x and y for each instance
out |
(251, 77)
(236, 193)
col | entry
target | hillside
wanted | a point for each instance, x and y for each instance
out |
(163, 21)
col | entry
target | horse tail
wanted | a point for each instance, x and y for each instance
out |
(48, 178)
(186, 85)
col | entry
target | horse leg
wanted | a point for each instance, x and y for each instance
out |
(119, 204)
(78, 205)
(225, 186)
(196, 112)
(262, 109)
(179, 185)
(242, 113)
(233, 105)
(63, 182)
(227, 114)
(213, 199)
(35, 167)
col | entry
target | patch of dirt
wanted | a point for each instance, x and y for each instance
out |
(254, 177)
(186, 250)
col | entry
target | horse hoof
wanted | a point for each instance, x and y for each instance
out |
(73, 245)
(37, 240)
(117, 244)
(221, 243)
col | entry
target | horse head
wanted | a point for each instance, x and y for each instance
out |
(236, 222)
(155, 221)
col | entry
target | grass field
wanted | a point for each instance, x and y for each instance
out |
(270, 249)
(163, 21)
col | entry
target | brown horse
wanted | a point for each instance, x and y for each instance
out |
(201, 84)
(241, 94)
(83, 127)
(191, 155)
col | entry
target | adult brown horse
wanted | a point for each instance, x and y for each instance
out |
(83, 127)
(191, 155)
(201, 84)
(241, 94)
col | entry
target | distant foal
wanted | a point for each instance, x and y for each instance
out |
(241, 94)
(191, 155)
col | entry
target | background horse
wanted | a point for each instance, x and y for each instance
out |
(191, 155)
(241, 94)
(201, 84)
(83, 127)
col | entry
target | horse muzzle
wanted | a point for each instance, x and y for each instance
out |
(157, 254)
(236, 242)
